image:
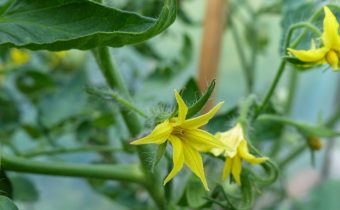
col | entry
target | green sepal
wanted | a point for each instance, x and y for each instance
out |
(199, 104)
(300, 65)
(197, 107)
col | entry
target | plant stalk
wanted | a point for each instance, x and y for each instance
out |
(293, 79)
(271, 90)
(283, 63)
(58, 151)
(128, 173)
(115, 81)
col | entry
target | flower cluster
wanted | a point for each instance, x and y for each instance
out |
(330, 51)
(188, 141)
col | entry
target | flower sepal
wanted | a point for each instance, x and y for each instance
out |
(299, 64)
(198, 105)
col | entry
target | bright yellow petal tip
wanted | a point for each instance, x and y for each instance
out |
(158, 136)
(330, 36)
(182, 107)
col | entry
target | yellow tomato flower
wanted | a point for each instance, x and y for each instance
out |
(330, 52)
(186, 138)
(235, 140)
(19, 57)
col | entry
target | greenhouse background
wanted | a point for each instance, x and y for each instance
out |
(49, 100)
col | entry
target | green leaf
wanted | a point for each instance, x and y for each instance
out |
(84, 131)
(268, 130)
(4, 4)
(79, 24)
(33, 83)
(24, 189)
(200, 103)
(222, 122)
(185, 54)
(185, 17)
(104, 120)
(168, 68)
(7, 204)
(65, 102)
(9, 113)
(147, 50)
(158, 155)
(195, 193)
(191, 92)
(32, 131)
(5, 185)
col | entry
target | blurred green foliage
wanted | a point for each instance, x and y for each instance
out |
(44, 103)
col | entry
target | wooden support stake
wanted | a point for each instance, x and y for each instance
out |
(214, 25)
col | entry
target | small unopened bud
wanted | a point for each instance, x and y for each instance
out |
(314, 143)
(19, 57)
(333, 59)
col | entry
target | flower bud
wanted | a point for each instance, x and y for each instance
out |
(332, 59)
(314, 143)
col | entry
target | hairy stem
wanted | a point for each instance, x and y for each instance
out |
(271, 90)
(58, 151)
(128, 173)
(282, 66)
(112, 95)
(114, 79)
(293, 79)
